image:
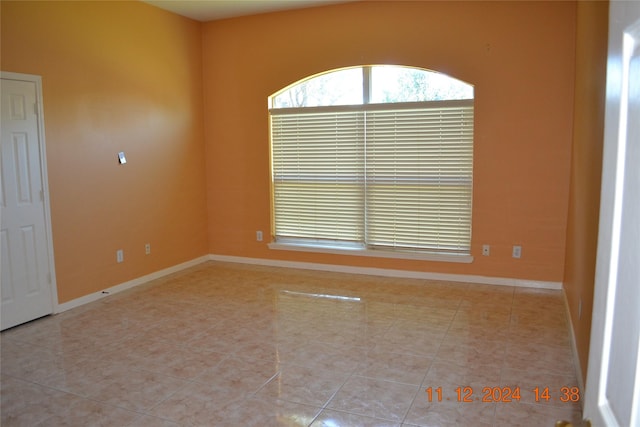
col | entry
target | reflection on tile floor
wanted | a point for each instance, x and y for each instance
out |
(237, 345)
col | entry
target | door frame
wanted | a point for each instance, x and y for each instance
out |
(44, 176)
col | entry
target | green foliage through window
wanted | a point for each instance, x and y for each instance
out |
(375, 84)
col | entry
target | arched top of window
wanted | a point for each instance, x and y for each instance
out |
(375, 84)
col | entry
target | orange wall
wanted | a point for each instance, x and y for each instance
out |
(117, 76)
(519, 55)
(127, 76)
(584, 200)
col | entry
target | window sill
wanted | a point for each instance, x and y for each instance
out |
(422, 256)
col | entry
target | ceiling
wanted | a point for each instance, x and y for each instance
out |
(210, 10)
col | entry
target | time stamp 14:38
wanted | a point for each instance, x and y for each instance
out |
(504, 394)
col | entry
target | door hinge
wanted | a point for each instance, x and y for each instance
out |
(35, 108)
(41, 196)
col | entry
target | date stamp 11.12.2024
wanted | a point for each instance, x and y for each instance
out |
(467, 394)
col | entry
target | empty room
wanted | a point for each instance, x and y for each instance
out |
(318, 213)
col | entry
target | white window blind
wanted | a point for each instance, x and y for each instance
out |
(393, 176)
(419, 177)
(318, 176)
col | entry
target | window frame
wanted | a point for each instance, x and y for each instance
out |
(307, 245)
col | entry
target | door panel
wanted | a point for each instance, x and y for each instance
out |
(22, 177)
(6, 293)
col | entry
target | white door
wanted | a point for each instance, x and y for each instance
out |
(26, 269)
(613, 377)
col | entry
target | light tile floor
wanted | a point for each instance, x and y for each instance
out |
(236, 345)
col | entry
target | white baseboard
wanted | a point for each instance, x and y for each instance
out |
(128, 285)
(574, 348)
(391, 273)
(310, 266)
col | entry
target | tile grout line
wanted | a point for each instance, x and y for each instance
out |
(432, 360)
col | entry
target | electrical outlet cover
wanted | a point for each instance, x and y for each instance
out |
(517, 251)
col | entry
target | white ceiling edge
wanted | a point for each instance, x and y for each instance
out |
(211, 10)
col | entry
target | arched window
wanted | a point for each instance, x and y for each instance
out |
(373, 158)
